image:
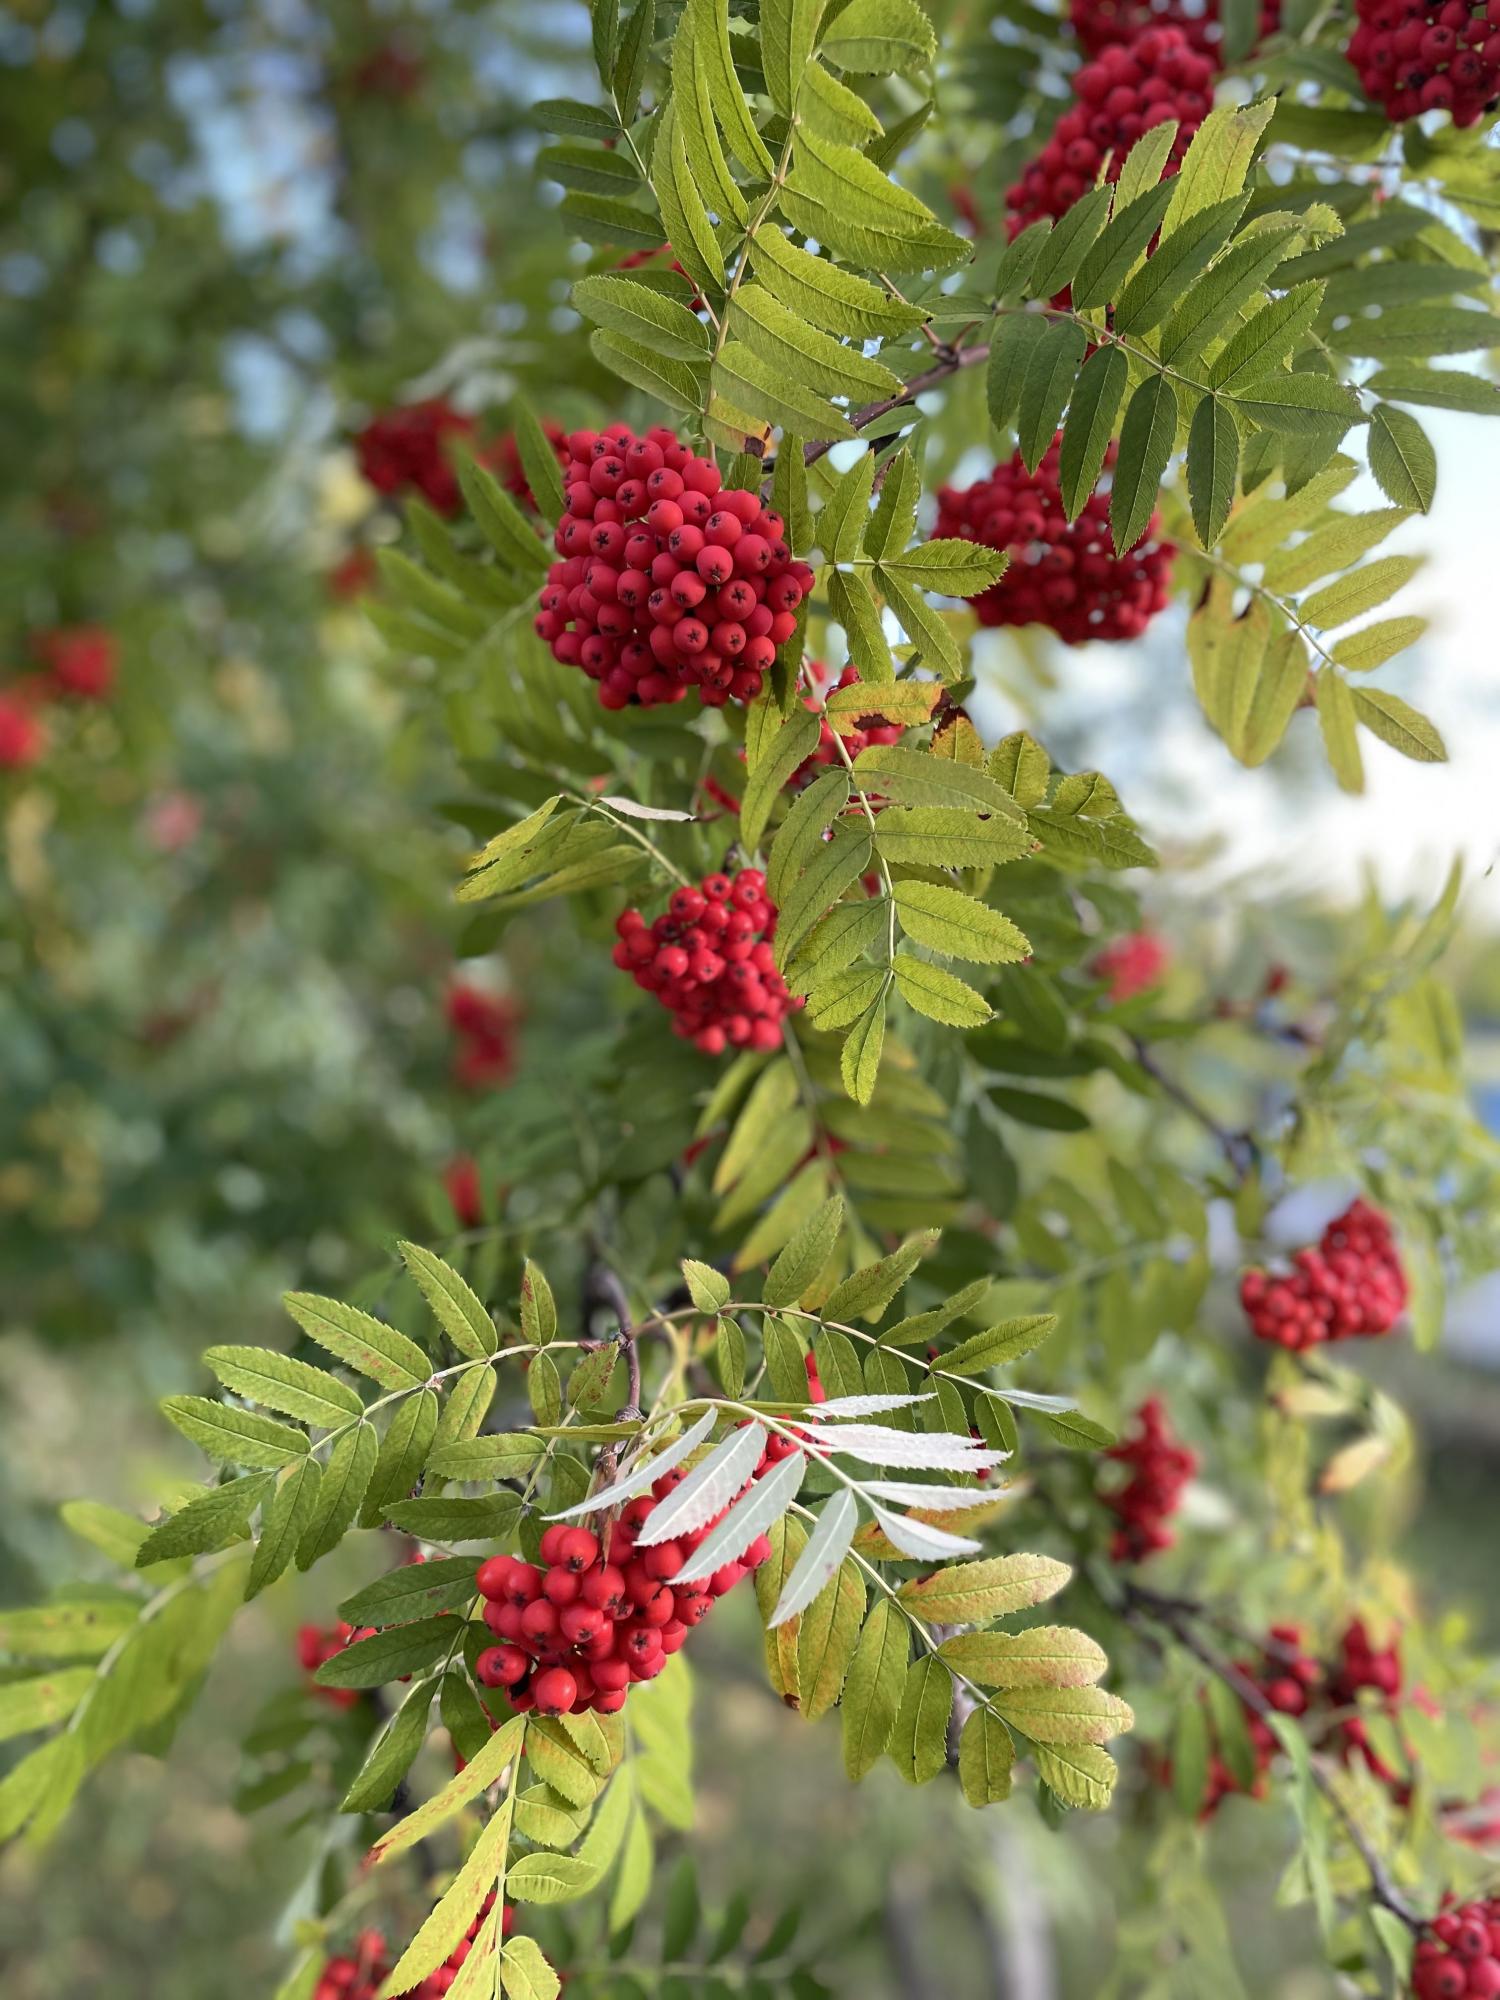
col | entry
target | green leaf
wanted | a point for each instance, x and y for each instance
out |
(81, 1630)
(1218, 160)
(808, 356)
(859, 1058)
(1300, 405)
(634, 51)
(1338, 717)
(507, 530)
(1402, 458)
(877, 37)
(917, 778)
(481, 1772)
(234, 1437)
(37, 1703)
(279, 1383)
(391, 1756)
(538, 1308)
(1165, 278)
(948, 837)
(286, 1521)
(997, 1345)
(1059, 257)
(842, 199)
(1051, 371)
(644, 315)
(802, 1261)
(675, 383)
(954, 568)
(459, 1906)
(364, 1344)
(1362, 590)
(550, 1878)
(693, 101)
(1066, 1714)
(799, 838)
(971, 1593)
(939, 994)
(1213, 463)
(946, 920)
(1022, 766)
(986, 1756)
(919, 1740)
(525, 1973)
(1136, 220)
(459, 1311)
(415, 1590)
(115, 1534)
(829, 1629)
(686, 220)
(1016, 337)
(826, 296)
(714, 56)
(1341, 541)
(772, 397)
(1081, 1774)
(403, 1453)
(873, 1689)
(1437, 388)
(509, 1455)
(1263, 343)
(1373, 645)
(1042, 1656)
(867, 1292)
(351, 1465)
(446, 1517)
(790, 747)
(1396, 722)
(386, 1656)
(1073, 1430)
(1146, 443)
(788, 34)
(1091, 421)
(210, 1521)
(1414, 332)
(846, 512)
(544, 1389)
(709, 1289)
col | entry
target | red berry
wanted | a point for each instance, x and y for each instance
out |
(555, 1691)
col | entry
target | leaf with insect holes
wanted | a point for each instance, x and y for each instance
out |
(707, 1489)
(765, 1503)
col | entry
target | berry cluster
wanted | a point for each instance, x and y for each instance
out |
(76, 663)
(1134, 85)
(465, 1191)
(1159, 1469)
(1103, 24)
(1459, 1958)
(870, 729)
(665, 582)
(708, 960)
(352, 575)
(485, 1024)
(575, 1633)
(1428, 55)
(78, 660)
(1063, 574)
(1362, 1664)
(408, 448)
(1131, 965)
(1287, 1677)
(1293, 1682)
(360, 1973)
(317, 1643)
(1350, 1285)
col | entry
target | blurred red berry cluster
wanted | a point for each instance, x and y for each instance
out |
(1160, 1466)
(1350, 1285)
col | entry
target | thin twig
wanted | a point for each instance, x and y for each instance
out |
(950, 363)
(1238, 1148)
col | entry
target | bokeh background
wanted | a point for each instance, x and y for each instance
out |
(230, 232)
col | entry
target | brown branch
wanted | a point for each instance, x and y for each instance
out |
(1238, 1148)
(948, 363)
